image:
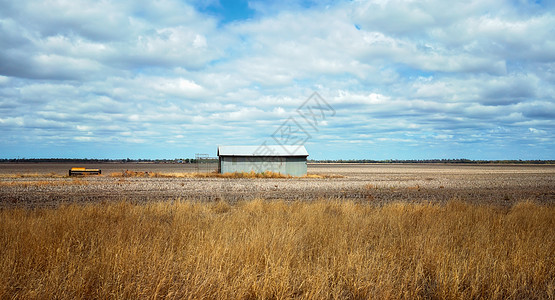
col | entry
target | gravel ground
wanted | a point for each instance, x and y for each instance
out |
(45, 184)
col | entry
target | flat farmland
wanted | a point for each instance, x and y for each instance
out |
(47, 185)
(346, 231)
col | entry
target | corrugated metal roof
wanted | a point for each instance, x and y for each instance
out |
(263, 150)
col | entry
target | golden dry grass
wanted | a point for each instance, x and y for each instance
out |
(252, 174)
(33, 175)
(262, 249)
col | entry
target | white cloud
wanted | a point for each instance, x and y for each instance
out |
(200, 41)
(4, 79)
(537, 131)
(84, 138)
(175, 86)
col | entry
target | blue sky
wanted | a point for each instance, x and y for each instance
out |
(168, 79)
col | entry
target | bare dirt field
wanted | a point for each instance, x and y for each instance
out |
(46, 184)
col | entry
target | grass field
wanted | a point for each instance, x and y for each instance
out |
(276, 249)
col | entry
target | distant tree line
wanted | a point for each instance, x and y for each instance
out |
(215, 160)
(96, 160)
(432, 161)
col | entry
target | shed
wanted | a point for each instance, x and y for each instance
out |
(287, 160)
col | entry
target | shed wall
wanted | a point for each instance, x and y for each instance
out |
(288, 165)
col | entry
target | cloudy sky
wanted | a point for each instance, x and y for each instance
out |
(167, 79)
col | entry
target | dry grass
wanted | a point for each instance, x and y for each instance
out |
(262, 249)
(127, 173)
(322, 176)
(33, 175)
(251, 174)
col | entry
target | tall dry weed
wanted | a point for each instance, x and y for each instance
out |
(252, 174)
(263, 249)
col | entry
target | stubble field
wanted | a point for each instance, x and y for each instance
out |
(353, 231)
(38, 185)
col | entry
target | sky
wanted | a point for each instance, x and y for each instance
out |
(383, 79)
